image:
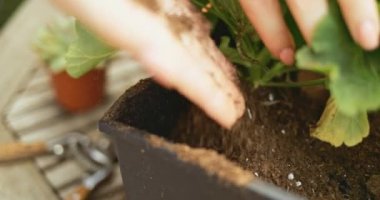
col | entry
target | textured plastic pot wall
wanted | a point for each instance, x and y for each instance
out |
(150, 172)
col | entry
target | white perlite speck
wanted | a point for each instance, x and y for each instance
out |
(249, 113)
(298, 183)
(271, 97)
(256, 174)
(283, 131)
(290, 176)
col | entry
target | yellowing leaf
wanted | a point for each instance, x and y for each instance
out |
(337, 128)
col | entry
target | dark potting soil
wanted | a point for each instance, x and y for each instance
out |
(272, 141)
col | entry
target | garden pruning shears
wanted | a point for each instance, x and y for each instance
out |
(98, 161)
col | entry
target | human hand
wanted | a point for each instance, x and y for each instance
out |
(173, 44)
(362, 18)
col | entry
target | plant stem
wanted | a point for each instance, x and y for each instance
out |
(296, 84)
(264, 56)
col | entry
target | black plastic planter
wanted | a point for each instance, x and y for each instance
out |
(157, 171)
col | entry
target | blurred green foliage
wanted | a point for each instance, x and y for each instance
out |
(7, 7)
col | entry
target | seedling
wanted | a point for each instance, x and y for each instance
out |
(52, 43)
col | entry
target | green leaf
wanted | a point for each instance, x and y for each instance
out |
(86, 52)
(337, 128)
(354, 78)
(276, 70)
(231, 53)
(52, 42)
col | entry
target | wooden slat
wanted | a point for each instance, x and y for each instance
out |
(20, 180)
(31, 102)
(27, 121)
(67, 172)
(47, 162)
(62, 127)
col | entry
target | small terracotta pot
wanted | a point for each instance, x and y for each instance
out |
(79, 95)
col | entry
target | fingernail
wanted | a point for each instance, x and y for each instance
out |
(287, 56)
(368, 35)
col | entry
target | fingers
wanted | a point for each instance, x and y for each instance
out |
(307, 15)
(268, 21)
(142, 32)
(206, 86)
(362, 18)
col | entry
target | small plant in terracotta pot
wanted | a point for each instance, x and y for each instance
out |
(77, 88)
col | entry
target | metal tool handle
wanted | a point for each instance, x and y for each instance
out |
(18, 150)
(81, 192)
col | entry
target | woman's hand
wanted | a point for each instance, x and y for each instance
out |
(361, 16)
(169, 40)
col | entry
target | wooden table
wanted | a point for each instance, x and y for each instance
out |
(29, 112)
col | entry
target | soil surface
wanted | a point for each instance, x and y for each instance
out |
(272, 141)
